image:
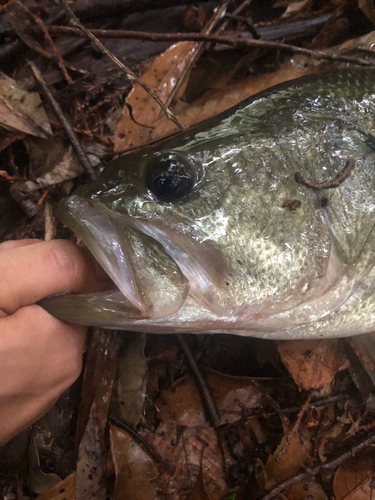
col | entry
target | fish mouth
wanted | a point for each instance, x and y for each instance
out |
(149, 280)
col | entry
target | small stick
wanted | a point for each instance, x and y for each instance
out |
(64, 122)
(327, 465)
(336, 181)
(205, 392)
(196, 37)
(48, 37)
(129, 73)
(295, 427)
(118, 422)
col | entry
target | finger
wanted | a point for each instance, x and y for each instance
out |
(11, 244)
(30, 273)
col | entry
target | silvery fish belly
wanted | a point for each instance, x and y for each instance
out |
(197, 236)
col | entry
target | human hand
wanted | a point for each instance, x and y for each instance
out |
(40, 356)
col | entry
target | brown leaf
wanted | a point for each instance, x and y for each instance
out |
(21, 110)
(181, 403)
(352, 479)
(130, 385)
(161, 76)
(313, 363)
(227, 97)
(287, 459)
(90, 470)
(368, 8)
(136, 473)
(98, 378)
(65, 490)
(185, 454)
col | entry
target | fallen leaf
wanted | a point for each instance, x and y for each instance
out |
(368, 8)
(181, 403)
(21, 110)
(313, 363)
(186, 452)
(227, 97)
(162, 76)
(353, 478)
(98, 378)
(286, 460)
(39, 480)
(136, 473)
(131, 379)
(90, 470)
(26, 193)
(65, 490)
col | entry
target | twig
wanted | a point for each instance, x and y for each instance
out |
(332, 183)
(64, 122)
(211, 408)
(48, 37)
(295, 427)
(327, 465)
(125, 427)
(196, 37)
(129, 73)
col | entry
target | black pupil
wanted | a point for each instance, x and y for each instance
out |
(169, 179)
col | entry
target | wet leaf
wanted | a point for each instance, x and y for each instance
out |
(65, 490)
(20, 110)
(354, 478)
(39, 480)
(368, 8)
(186, 452)
(217, 102)
(65, 167)
(182, 404)
(287, 459)
(136, 473)
(98, 378)
(130, 385)
(313, 363)
(90, 471)
(162, 76)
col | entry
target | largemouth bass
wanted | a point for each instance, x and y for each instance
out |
(258, 222)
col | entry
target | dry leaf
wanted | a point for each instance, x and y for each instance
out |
(185, 454)
(182, 404)
(368, 8)
(131, 379)
(162, 76)
(40, 482)
(287, 459)
(65, 490)
(22, 111)
(227, 97)
(136, 472)
(313, 363)
(353, 478)
(90, 470)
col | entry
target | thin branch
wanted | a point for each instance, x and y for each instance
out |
(64, 122)
(129, 73)
(49, 39)
(196, 37)
(327, 465)
(209, 403)
(118, 422)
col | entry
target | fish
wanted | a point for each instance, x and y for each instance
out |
(258, 222)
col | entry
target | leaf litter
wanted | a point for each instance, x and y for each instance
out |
(286, 421)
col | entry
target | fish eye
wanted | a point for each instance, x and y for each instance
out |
(170, 177)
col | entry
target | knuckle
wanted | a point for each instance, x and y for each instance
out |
(68, 261)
